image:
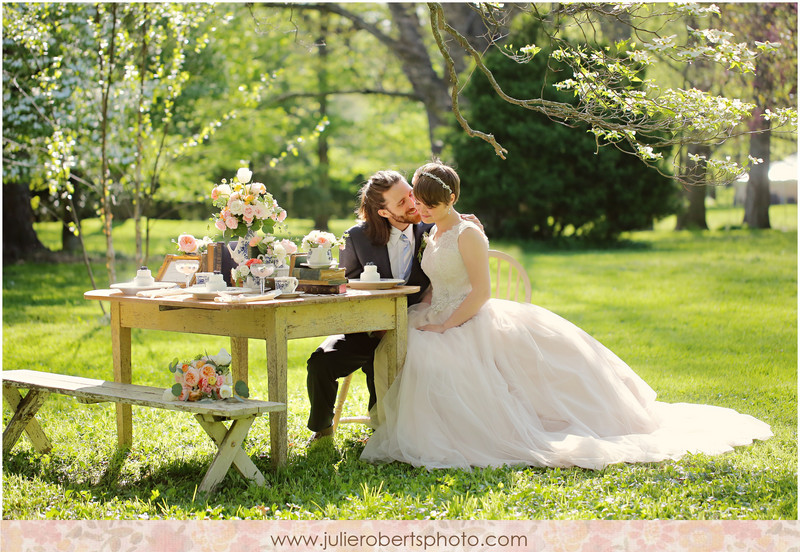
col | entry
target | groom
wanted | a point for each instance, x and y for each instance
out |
(389, 236)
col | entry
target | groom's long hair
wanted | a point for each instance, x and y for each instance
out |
(371, 196)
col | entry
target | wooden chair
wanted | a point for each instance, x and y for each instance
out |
(509, 281)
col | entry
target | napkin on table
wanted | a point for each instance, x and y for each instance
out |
(244, 298)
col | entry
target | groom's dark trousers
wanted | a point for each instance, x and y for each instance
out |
(341, 355)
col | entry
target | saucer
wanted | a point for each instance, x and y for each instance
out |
(292, 295)
(383, 283)
(129, 288)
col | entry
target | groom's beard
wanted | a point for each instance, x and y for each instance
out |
(405, 218)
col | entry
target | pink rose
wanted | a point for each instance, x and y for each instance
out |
(187, 243)
(215, 193)
(255, 240)
(185, 391)
(178, 377)
(231, 222)
(220, 224)
(289, 246)
(249, 213)
(323, 241)
(281, 216)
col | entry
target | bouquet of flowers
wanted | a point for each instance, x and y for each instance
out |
(205, 377)
(245, 206)
(318, 238)
(192, 246)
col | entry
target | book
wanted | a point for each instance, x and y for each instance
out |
(322, 288)
(332, 282)
(319, 274)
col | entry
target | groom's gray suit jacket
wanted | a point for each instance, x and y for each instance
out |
(360, 251)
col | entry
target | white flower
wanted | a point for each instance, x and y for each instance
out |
(225, 392)
(168, 396)
(222, 358)
(244, 175)
(236, 206)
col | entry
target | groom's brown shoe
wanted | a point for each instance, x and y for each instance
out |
(327, 432)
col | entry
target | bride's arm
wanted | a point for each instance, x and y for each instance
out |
(475, 254)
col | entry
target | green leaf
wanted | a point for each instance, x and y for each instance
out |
(177, 389)
(241, 389)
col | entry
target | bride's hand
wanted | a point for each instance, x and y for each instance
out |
(438, 328)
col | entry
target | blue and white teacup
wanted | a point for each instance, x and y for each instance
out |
(286, 284)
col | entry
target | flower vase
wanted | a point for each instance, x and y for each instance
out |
(240, 252)
(320, 257)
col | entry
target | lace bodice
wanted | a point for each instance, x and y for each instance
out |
(441, 261)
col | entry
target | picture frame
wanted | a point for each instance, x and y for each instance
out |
(169, 273)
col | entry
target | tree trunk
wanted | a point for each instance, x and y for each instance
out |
(693, 215)
(757, 199)
(429, 87)
(19, 237)
(105, 186)
(137, 180)
(323, 212)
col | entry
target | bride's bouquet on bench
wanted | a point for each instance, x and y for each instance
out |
(205, 377)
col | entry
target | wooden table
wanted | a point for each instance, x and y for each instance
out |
(275, 321)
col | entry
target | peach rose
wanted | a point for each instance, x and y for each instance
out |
(191, 377)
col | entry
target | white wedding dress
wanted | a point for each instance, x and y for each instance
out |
(519, 385)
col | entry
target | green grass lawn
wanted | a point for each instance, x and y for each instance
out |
(708, 317)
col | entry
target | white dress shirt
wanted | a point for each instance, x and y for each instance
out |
(395, 248)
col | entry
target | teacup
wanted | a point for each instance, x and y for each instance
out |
(202, 278)
(286, 284)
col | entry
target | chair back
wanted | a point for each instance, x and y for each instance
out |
(509, 279)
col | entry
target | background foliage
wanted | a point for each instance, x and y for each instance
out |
(570, 185)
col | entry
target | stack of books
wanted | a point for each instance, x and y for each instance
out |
(320, 280)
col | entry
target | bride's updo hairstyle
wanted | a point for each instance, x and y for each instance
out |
(371, 196)
(434, 182)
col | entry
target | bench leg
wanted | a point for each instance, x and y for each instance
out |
(229, 441)
(25, 410)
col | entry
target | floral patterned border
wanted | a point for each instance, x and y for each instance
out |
(433, 536)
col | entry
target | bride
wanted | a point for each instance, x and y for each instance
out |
(489, 382)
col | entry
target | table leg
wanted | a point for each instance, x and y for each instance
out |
(240, 362)
(396, 339)
(23, 415)
(121, 350)
(230, 447)
(235, 436)
(277, 360)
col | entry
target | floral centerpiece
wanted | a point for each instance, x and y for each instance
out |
(205, 377)
(319, 244)
(318, 238)
(245, 207)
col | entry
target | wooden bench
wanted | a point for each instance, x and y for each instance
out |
(210, 415)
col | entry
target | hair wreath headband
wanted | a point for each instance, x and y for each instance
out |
(437, 179)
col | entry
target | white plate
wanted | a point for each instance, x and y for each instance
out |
(202, 292)
(383, 283)
(129, 288)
